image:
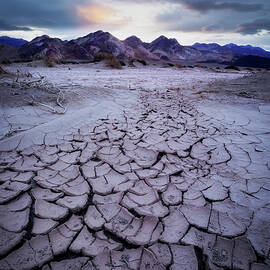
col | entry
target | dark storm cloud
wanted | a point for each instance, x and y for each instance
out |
(24, 14)
(254, 27)
(7, 27)
(179, 22)
(218, 16)
(206, 5)
(242, 16)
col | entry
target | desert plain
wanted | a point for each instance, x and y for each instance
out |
(146, 167)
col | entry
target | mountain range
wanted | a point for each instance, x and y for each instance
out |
(161, 49)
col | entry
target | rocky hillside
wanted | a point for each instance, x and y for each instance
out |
(54, 48)
(170, 49)
(140, 49)
(105, 42)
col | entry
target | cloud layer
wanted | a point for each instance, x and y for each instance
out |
(254, 27)
(244, 17)
(247, 20)
(4, 26)
(206, 5)
(27, 14)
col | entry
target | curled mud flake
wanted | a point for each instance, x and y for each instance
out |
(44, 209)
(93, 218)
(184, 257)
(222, 252)
(175, 227)
(243, 253)
(74, 203)
(76, 263)
(200, 239)
(8, 240)
(198, 216)
(172, 196)
(43, 226)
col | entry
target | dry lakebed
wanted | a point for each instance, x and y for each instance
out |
(139, 168)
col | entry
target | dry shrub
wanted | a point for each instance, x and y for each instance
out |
(2, 71)
(110, 60)
(123, 64)
(113, 62)
(200, 66)
(232, 67)
(5, 61)
(143, 62)
(99, 57)
(205, 92)
(178, 65)
(48, 61)
(25, 80)
(131, 63)
(174, 88)
(167, 65)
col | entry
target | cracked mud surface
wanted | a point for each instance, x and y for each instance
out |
(171, 184)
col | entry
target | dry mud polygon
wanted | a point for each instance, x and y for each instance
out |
(168, 185)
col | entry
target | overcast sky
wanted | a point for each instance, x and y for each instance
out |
(189, 21)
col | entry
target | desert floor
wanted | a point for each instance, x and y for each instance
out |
(139, 168)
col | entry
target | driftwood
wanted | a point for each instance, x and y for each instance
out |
(2, 71)
(33, 101)
(42, 84)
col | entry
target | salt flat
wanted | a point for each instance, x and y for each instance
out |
(149, 168)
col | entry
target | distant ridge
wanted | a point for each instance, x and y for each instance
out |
(87, 48)
(233, 48)
(14, 42)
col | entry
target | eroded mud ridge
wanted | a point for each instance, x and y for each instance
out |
(165, 188)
